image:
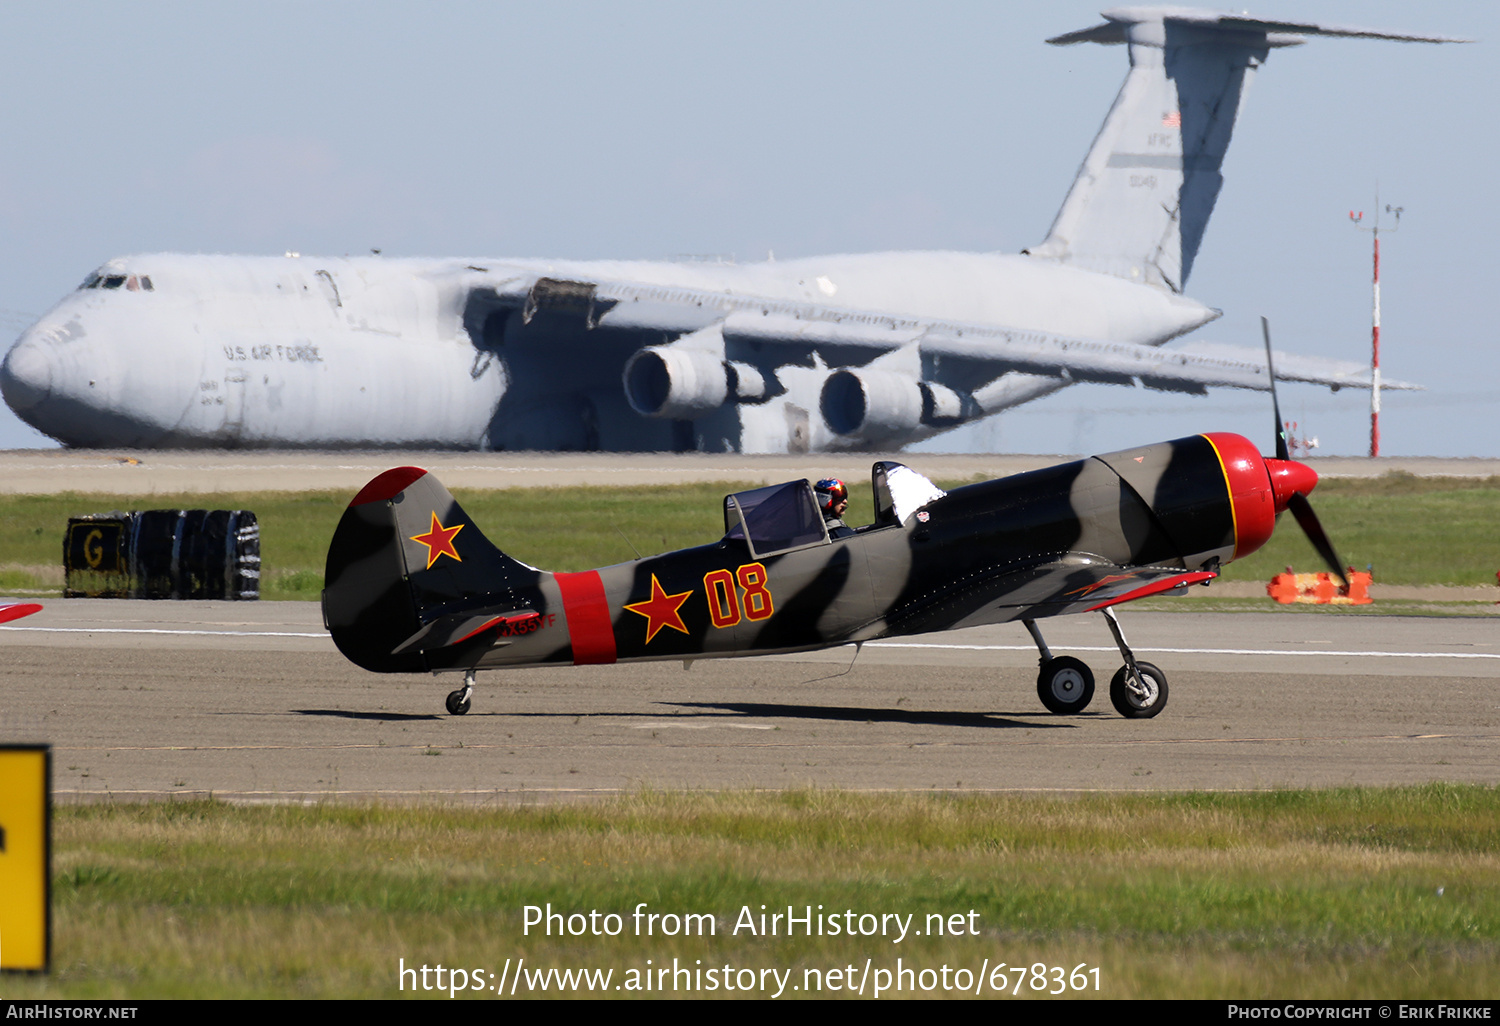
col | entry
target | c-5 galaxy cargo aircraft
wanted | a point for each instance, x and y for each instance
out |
(843, 352)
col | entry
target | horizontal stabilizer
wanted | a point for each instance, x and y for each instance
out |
(460, 627)
(1115, 30)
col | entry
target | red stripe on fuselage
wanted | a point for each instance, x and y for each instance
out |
(589, 626)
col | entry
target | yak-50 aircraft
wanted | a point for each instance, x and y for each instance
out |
(412, 585)
(870, 351)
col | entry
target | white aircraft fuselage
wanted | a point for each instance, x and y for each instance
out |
(369, 351)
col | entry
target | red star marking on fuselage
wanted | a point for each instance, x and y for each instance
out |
(661, 609)
(439, 541)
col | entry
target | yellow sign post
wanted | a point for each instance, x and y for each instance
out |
(25, 858)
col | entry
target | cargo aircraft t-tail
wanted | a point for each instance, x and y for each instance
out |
(869, 351)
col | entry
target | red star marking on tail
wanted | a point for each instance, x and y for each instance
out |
(661, 609)
(439, 541)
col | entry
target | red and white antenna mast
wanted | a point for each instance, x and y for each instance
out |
(1375, 317)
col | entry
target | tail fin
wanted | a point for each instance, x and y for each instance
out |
(1142, 198)
(406, 557)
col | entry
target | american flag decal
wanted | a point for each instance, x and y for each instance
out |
(1172, 119)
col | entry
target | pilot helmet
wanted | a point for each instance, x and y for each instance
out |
(830, 492)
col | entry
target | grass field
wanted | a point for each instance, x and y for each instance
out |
(1412, 530)
(1331, 894)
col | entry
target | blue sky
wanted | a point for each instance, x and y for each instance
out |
(650, 129)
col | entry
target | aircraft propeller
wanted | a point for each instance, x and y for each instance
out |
(1290, 480)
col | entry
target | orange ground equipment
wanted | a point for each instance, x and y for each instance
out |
(1320, 589)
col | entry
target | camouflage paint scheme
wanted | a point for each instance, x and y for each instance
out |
(413, 586)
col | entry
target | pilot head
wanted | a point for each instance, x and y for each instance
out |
(833, 497)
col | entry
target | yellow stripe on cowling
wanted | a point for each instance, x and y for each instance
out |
(1229, 491)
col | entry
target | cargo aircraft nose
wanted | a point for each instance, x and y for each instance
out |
(26, 375)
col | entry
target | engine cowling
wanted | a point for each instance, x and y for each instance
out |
(886, 407)
(871, 404)
(683, 384)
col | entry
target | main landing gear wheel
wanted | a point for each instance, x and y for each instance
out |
(1065, 685)
(458, 701)
(1130, 701)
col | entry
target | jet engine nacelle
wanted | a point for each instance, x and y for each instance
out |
(684, 384)
(884, 406)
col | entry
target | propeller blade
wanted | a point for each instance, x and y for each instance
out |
(1281, 448)
(1308, 521)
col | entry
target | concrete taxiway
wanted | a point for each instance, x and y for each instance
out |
(250, 701)
(149, 472)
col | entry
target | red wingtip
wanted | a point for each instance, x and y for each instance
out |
(388, 485)
(17, 610)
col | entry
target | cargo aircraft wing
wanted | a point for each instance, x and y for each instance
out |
(881, 379)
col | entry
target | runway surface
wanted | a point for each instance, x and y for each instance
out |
(149, 472)
(250, 701)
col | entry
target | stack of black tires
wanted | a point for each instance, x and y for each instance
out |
(164, 554)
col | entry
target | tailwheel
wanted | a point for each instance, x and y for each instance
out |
(1065, 685)
(458, 701)
(1142, 699)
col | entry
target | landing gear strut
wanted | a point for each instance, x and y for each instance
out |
(458, 701)
(1138, 689)
(1064, 684)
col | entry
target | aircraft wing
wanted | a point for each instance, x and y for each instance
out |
(1190, 368)
(15, 610)
(1071, 585)
(1075, 583)
(876, 378)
